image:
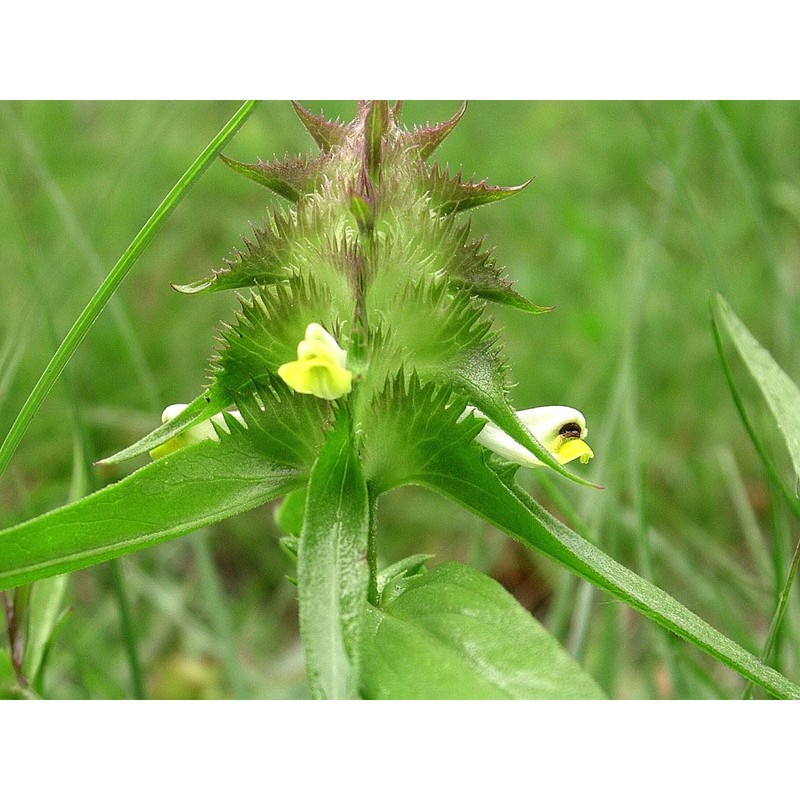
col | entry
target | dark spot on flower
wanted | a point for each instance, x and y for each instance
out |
(570, 431)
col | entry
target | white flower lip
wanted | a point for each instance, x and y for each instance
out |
(194, 433)
(560, 429)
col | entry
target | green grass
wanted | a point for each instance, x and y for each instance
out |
(637, 214)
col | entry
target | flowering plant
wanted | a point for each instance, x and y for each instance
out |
(364, 357)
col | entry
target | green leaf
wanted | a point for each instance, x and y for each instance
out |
(183, 491)
(201, 408)
(454, 633)
(291, 178)
(780, 392)
(443, 458)
(45, 611)
(332, 571)
(326, 133)
(290, 513)
(527, 522)
(449, 195)
(393, 578)
(427, 138)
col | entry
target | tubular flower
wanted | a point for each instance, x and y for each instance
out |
(560, 429)
(194, 434)
(321, 366)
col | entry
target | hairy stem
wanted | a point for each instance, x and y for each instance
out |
(372, 548)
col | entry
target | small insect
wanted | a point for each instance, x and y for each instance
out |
(570, 431)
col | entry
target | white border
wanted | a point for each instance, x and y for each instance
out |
(502, 49)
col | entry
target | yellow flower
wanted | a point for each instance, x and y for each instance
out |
(560, 429)
(193, 435)
(321, 366)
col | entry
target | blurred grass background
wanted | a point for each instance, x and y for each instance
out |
(637, 213)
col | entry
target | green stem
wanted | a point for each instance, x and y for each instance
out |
(128, 630)
(15, 605)
(372, 548)
(106, 290)
(777, 617)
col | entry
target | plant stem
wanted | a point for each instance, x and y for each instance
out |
(15, 605)
(109, 286)
(777, 617)
(372, 548)
(128, 631)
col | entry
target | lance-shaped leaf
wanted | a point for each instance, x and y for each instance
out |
(332, 571)
(449, 195)
(201, 408)
(778, 389)
(291, 178)
(326, 133)
(454, 633)
(176, 494)
(45, 612)
(425, 139)
(446, 460)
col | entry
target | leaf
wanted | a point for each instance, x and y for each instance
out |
(427, 138)
(474, 268)
(45, 610)
(538, 529)
(289, 514)
(291, 178)
(332, 571)
(454, 633)
(394, 578)
(780, 392)
(449, 195)
(200, 409)
(183, 491)
(326, 133)
(442, 456)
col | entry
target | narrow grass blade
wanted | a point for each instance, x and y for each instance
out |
(779, 391)
(783, 399)
(109, 286)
